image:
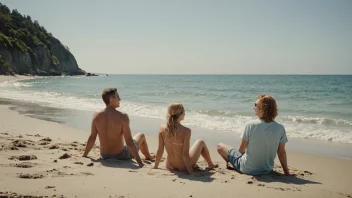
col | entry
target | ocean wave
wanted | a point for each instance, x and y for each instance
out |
(215, 112)
(15, 84)
(317, 120)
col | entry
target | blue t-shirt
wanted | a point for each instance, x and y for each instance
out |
(263, 141)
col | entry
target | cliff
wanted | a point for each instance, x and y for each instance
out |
(27, 48)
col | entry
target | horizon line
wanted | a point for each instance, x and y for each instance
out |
(226, 74)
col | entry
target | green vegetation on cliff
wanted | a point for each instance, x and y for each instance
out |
(27, 47)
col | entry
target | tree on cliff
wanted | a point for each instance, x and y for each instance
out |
(27, 47)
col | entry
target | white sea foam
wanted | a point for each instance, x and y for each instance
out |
(300, 127)
(15, 84)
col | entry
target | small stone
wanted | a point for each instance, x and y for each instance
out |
(53, 147)
(47, 187)
(55, 160)
(90, 164)
(65, 156)
(249, 182)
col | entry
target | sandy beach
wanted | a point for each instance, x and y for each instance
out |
(39, 158)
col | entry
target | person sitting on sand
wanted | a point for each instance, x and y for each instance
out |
(176, 139)
(261, 140)
(113, 127)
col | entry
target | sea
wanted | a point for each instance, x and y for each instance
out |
(313, 107)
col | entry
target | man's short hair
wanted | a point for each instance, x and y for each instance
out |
(267, 108)
(107, 93)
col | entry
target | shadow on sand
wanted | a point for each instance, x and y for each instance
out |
(114, 163)
(275, 176)
(204, 174)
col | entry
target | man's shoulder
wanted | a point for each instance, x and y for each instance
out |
(279, 126)
(253, 122)
(97, 114)
(123, 116)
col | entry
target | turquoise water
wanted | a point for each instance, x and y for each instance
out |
(310, 107)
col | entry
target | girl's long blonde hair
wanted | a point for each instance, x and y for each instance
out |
(174, 112)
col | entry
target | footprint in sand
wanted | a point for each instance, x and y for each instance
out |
(345, 195)
(20, 143)
(25, 165)
(23, 157)
(53, 147)
(30, 176)
(46, 139)
(86, 173)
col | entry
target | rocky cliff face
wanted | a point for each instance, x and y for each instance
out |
(26, 47)
(41, 62)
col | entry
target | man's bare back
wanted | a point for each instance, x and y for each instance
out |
(113, 129)
(109, 123)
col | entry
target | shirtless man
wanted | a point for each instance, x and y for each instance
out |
(113, 127)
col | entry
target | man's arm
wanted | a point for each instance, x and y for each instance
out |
(160, 151)
(92, 138)
(243, 146)
(281, 153)
(245, 138)
(129, 140)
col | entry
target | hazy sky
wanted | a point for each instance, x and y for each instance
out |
(200, 36)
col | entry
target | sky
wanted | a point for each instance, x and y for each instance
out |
(200, 36)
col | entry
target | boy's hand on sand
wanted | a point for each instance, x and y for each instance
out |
(141, 165)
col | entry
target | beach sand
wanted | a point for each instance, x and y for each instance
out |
(42, 158)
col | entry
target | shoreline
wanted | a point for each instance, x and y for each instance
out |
(150, 126)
